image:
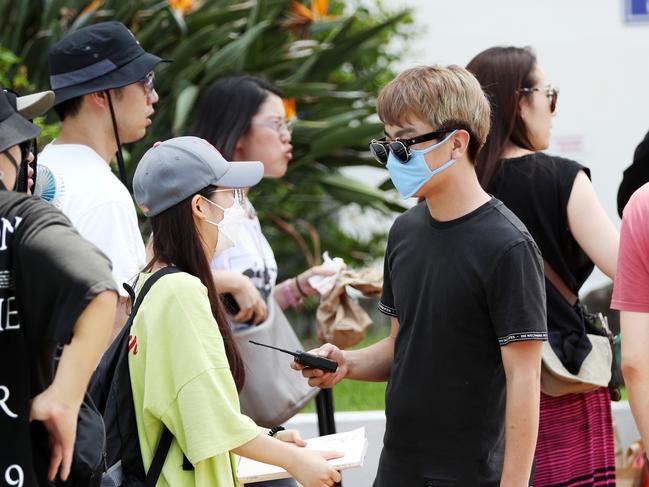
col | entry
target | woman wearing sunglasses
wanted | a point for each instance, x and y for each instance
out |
(556, 201)
(244, 117)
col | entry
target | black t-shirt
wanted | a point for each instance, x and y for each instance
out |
(461, 289)
(48, 275)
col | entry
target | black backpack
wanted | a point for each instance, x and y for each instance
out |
(110, 394)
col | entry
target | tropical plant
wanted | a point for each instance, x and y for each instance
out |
(328, 59)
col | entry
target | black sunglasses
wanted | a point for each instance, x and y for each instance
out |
(381, 148)
(551, 92)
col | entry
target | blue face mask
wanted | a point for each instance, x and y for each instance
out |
(408, 178)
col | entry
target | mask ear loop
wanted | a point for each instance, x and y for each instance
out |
(11, 159)
(120, 157)
(15, 164)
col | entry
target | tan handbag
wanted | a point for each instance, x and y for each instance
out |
(595, 371)
(273, 392)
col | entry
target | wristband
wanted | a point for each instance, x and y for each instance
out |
(290, 297)
(275, 429)
(299, 288)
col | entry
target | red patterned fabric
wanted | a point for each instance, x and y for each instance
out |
(576, 445)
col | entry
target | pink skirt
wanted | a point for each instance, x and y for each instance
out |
(576, 446)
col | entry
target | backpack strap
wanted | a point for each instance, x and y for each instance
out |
(159, 458)
(164, 444)
(147, 287)
(134, 465)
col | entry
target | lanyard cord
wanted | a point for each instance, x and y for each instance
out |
(120, 158)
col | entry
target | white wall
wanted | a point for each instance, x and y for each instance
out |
(600, 63)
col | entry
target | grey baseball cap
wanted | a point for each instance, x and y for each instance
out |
(173, 170)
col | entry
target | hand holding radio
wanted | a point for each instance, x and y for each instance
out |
(324, 367)
(320, 378)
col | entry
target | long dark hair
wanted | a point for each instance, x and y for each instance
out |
(227, 108)
(176, 241)
(502, 72)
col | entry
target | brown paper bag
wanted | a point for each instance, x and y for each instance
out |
(341, 320)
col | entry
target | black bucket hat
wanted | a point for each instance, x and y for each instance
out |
(96, 58)
(14, 128)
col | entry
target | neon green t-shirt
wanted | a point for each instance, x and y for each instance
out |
(181, 378)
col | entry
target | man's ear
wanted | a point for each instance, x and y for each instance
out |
(460, 141)
(97, 99)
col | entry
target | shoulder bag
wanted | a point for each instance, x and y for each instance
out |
(595, 370)
(273, 392)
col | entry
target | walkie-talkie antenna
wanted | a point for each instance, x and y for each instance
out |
(274, 348)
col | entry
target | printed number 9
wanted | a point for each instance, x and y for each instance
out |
(20, 477)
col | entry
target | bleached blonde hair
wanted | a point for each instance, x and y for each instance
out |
(446, 97)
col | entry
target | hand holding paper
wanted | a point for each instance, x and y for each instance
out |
(353, 444)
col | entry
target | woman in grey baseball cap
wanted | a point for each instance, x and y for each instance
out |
(185, 368)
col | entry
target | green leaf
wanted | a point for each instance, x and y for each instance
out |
(344, 136)
(184, 105)
(361, 193)
(230, 57)
(179, 19)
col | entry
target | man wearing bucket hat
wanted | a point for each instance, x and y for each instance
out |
(55, 289)
(103, 81)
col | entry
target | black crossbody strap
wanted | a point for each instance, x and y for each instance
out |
(164, 444)
(159, 458)
(146, 287)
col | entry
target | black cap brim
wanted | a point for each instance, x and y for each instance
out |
(133, 71)
(16, 129)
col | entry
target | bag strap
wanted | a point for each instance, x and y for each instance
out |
(558, 283)
(164, 444)
(159, 458)
(146, 287)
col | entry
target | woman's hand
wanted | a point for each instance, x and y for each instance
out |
(290, 436)
(311, 468)
(303, 278)
(252, 307)
(251, 304)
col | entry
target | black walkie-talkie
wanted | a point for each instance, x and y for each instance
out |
(306, 359)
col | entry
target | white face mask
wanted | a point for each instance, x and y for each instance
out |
(229, 225)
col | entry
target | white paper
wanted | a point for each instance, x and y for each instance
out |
(324, 284)
(352, 443)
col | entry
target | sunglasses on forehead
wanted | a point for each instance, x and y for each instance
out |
(551, 92)
(381, 148)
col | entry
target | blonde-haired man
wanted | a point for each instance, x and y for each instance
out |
(465, 291)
